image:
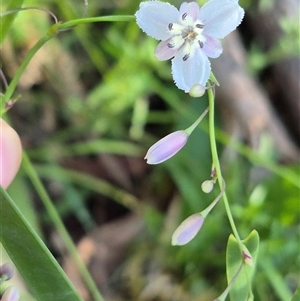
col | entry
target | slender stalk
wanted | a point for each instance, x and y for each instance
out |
(13, 84)
(72, 23)
(205, 212)
(223, 296)
(216, 164)
(14, 11)
(96, 295)
(190, 129)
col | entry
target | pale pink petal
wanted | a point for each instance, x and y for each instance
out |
(163, 52)
(220, 17)
(191, 8)
(212, 47)
(153, 18)
(194, 70)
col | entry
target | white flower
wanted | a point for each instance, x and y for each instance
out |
(189, 35)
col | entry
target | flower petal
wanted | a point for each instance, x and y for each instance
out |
(212, 47)
(153, 18)
(163, 52)
(220, 19)
(194, 70)
(191, 9)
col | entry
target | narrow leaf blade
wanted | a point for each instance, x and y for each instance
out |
(41, 272)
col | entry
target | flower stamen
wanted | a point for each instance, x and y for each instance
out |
(171, 45)
(186, 56)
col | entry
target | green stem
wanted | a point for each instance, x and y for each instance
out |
(190, 129)
(206, 211)
(216, 164)
(13, 84)
(223, 296)
(60, 228)
(72, 23)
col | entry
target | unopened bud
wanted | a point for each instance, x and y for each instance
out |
(9, 104)
(6, 271)
(248, 258)
(187, 230)
(207, 186)
(197, 91)
(166, 147)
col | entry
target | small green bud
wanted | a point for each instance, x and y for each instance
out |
(207, 186)
(197, 90)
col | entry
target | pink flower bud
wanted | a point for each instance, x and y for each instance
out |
(187, 230)
(10, 154)
(6, 271)
(166, 147)
(11, 294)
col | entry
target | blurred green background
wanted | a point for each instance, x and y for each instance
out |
(93, 100)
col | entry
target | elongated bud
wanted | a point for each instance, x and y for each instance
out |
(187, 230)
(166, 147)
(11, 294)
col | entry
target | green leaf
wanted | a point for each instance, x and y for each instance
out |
(41, 272)
(241, 288)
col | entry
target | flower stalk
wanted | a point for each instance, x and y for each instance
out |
(216, 164)
(223, 296)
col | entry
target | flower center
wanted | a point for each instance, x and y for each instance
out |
(189, 33)
(186, 34)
